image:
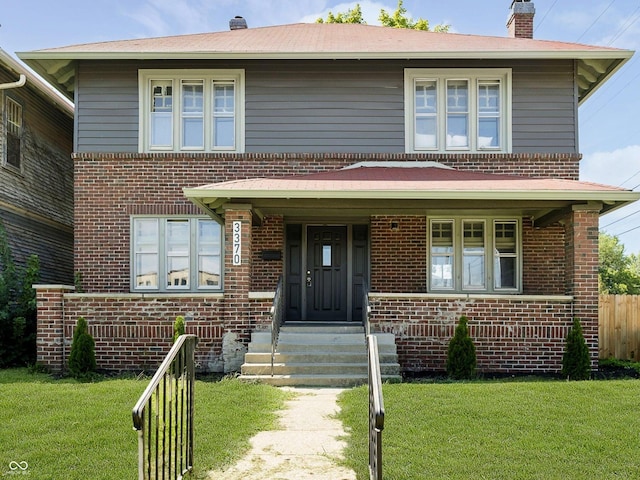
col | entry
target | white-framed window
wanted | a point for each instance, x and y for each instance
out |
(13, 133)
(457, 110)
(191, 110)
(475, 254)
(176, 254)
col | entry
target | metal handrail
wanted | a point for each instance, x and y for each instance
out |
(376, 410)
(366, 309)
(163, 416)
(277, 319)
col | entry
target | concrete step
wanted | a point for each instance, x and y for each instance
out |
(315, 380)
(314, 368)
(318, 355)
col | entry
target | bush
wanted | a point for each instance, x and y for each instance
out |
(82, 359)
(576, 363)
(17, 307)
(178, 328)
(461, 356)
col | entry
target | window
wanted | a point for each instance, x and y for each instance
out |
(14, 132)
(451, 110)
(197, 111)
(481, 255)
(176, 254)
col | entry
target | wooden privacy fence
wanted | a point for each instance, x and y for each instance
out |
(619, 327)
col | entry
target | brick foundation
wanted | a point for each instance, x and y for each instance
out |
(511, 335)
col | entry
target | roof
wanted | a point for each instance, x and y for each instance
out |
(328, 41)
(42, 88)
(411, 181)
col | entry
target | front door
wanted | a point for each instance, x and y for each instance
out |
(326, 274)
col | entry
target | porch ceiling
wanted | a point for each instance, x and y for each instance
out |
(405, 188)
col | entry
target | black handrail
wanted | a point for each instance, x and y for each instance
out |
(376, 410)
(366, 309)
(277, 318)
(163, 416)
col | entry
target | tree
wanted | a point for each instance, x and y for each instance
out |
(618, 273)
(461, 355)
(350, 16)
(18, 321)
(576, 364)
(398, 19)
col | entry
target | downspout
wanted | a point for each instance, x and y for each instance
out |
(19, 83)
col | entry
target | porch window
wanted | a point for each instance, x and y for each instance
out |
(449, 110)
(14, 132)
(176, 254)
(197, 110)
(479, 255)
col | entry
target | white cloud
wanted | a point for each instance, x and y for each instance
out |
(619, 168)
(612, 168)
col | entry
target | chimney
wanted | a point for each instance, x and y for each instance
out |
(520, 24)
(237, 23)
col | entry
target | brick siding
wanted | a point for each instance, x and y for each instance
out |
(134, 331)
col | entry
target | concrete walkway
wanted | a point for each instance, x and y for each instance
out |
(305, 447)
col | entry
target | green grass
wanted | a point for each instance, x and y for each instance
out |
(501, 430)
(71, 430)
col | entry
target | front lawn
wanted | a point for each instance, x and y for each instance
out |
(65, 429)
(501, 430)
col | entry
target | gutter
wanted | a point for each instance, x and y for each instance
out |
(20, 83)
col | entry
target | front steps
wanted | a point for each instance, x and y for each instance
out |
(323, 355)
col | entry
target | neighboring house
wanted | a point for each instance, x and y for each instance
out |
(438, 170)
(36, 171)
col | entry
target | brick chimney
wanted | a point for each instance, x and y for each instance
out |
(237, 23)
(520, 24)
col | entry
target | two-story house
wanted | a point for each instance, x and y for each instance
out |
(438, 172)
(36, 171)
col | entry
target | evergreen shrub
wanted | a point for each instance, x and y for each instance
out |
(461, 355)
(82, 359)
(576, 363)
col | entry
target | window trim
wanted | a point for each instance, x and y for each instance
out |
(163, 254)
(5, 132)
(441, 76)
(209, 76)
(490, 255)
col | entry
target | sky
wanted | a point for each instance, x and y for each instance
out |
(609, 125)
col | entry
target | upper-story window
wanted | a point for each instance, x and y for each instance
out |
(457, 110)
(192, 110)
(13, 128)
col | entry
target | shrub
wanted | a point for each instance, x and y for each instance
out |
(178, 328)
(576, 363)
(82, 359)
(17, 307)
(461, 356)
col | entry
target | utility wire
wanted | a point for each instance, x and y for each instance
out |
(545, 15)
(620, 219)
(630, 21)
(627, 231)
(595, 21)
(632, 176)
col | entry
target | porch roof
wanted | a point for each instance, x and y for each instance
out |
(387, 187)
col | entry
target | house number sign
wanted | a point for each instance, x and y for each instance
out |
(237, 243)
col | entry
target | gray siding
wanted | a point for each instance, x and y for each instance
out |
(544, 108)
(328, 106)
